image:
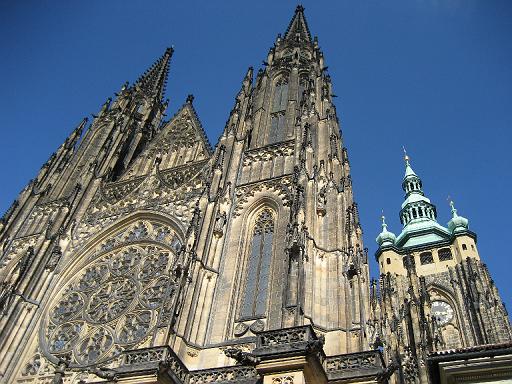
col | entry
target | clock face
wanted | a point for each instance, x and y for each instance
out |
(442, 311)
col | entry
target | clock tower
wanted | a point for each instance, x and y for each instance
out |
(435, 292)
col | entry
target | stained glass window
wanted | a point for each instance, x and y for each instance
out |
(258, 266)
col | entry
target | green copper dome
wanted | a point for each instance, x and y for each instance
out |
(457, 223)
(385, 237)
(418, 215)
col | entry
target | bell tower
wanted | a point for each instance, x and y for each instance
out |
(435, 292)
(141, 254)
(291, 251)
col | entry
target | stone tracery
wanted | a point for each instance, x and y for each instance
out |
(113, 303)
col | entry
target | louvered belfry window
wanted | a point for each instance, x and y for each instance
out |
(258, 266)
(278, 114)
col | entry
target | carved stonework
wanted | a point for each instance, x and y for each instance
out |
(241, 329)
(280, 186)
(113, 303)
(282, 380)
(268, 153)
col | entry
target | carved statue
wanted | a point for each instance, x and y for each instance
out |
(334, 146)
(220, 222)
(54, 258)
(321, 202)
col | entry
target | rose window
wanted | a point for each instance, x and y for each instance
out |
(116, 301)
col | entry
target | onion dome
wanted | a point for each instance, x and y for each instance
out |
(457, 223)
(385, 237)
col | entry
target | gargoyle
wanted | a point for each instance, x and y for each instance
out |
(244, 358)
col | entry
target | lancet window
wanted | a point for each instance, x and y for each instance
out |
(258, 266)
(278, 116)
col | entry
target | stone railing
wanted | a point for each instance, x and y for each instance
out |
(165, 361)
(157, 358)
(360, 364)
(245, 375)
(296, 339)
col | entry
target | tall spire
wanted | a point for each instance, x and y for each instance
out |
(415, 206)
(153, 81)
(408, 169)
(412, 182)
(298, 27)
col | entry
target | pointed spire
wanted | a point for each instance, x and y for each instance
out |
(408, 170)
(75, 135)
(298, 26)
(384, 225)
(153, 81)
(453, 209)
(415, 205)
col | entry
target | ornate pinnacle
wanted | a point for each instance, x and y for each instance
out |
(153, 81)
(298, 25)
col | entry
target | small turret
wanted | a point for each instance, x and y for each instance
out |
(385, 237)
(457, 223)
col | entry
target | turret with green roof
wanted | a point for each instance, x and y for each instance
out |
(419, 218)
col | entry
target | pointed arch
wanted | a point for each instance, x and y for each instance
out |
(450, 330)
(259, 257)
(277, 130)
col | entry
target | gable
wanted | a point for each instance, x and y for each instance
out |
(180, 141)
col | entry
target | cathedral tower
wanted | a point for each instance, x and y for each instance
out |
(140, 254)
(435, 293)
(138, 244)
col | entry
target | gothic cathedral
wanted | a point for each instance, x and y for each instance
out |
(140, 254)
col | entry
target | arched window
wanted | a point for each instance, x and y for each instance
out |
(258, 266)
(280, 96)
(277, 130)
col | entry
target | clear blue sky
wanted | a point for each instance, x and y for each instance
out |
(433, 75)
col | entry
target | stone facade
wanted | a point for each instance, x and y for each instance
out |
(139, 254)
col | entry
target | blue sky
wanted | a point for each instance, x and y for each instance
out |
(433, 75)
